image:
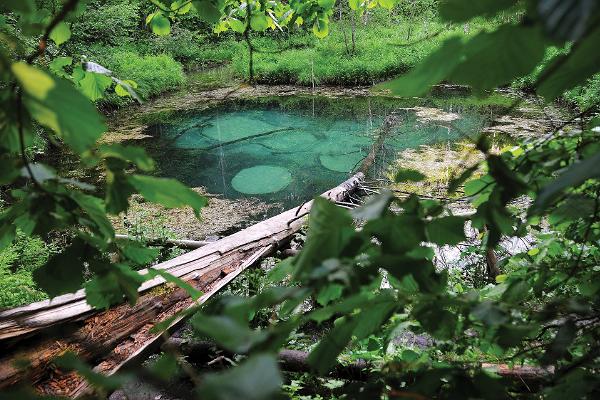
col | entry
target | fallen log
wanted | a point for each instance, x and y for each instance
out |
(378, 145)
(183, 243)
(41, 331)
(223, 144)
(204, 353)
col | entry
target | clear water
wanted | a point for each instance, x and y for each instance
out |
(289, 149)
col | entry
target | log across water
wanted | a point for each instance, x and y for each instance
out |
(41, 331)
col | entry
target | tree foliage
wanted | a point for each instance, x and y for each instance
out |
(542, 310)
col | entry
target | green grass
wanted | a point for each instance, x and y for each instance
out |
(154, 74)
(383, 49)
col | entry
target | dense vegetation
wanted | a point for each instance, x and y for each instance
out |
(539, 307)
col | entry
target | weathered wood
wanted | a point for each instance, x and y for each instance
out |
(30, 318)
(183, 243)
(68, 323)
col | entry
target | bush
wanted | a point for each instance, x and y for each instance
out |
(108, 24)
(17, 263)
(585, 96)
(153, 74)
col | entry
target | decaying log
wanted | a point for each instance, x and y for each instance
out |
(183, 243)
(378, 145)
(204, 352)
(41, 331)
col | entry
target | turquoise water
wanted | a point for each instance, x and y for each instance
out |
(289, 149)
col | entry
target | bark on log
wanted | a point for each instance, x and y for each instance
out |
(186, 244)
(203, 352)
(41, 331)
(384, 131)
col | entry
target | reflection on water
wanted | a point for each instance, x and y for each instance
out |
(291, 148)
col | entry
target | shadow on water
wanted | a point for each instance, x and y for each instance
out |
(288, 149)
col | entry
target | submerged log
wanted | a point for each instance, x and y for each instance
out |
(378, 145)
(41, 331)
(268, 133)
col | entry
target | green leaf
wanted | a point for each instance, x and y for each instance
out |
(57, 66)
(259, 22)
(209, 10)
(94, 85)
(168, 192)
(510, 52)
(329, 293)
(8, 171)
(257, 378)
(374, 314)
(581, 63)
(321, 27)
(355, 4)
(109, 288)
(165, 368)
(138, 253)
(228, 332)
(330, 229)
(61, 33)
(63, 273)
(136, 155)
(446, 230)
(326, 4)
(160, 25)
(489, 314)
(464, 10)
(324, 356)
(436, 320)
(565, 335)
(516, 292)
(374, 206)
(572, 177)
(407, 174)
(436, 67)
(389, 4)
(236, 25)
(94, 209)
(194, 293)
(512, 335)
(57, 105)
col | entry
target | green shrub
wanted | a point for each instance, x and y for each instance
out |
(108, 24)
(17, 263)
(585, 96)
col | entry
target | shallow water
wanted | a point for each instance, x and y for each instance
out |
(289, 149)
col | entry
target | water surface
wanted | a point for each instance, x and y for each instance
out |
(289, 149)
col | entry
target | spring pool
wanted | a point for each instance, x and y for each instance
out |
(288, 149)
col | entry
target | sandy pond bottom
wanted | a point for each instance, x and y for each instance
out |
(288, 149)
